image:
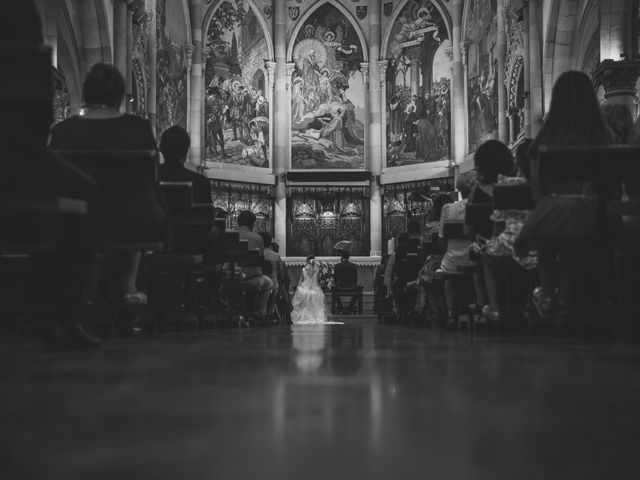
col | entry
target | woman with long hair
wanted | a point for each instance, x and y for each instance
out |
(574, 119)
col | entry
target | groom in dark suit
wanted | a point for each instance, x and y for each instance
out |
(345, 277)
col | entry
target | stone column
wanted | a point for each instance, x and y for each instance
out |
(526, 71)
(536, 94)
(619, 80)
(120, 17)
(188, 60)
(501, 53)
(128, 72)
(382, 68)
(465, 74)
(196, 97)
(270, 67)
(415, 73)
(376, 130)
(152, 50)
(281, 125)
(614, 38)
(49, 11)
(458, 122)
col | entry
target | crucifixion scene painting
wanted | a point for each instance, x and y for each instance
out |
(327, 94)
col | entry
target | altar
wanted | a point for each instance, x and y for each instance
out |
(366, 268)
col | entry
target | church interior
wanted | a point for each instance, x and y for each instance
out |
(311, 238)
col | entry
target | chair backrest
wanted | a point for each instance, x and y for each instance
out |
(453, 230)
(605, 167)
(516, 196)
(115, 166)
(36, 226)
(179, 195)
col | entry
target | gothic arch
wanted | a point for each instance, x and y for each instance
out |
(348, 16)
(444, 13)
(588, 29)
(265, 28)
(559, 45)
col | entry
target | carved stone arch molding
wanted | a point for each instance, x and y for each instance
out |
(354, 24)
(513, 65)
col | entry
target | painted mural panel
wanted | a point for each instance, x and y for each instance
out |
(171, 65)
(327, 94)
(418, 98)
(482, 68)
(236, 79)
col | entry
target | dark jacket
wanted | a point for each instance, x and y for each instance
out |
(176, 172)
(345, 274)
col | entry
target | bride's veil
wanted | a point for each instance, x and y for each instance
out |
(309, 277)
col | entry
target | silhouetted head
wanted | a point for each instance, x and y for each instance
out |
(246, 219)
(275, 246)
(574, 116)
(492, 158)
(175, 143)
(344, 255)
(619, 120)
(403, 238)
(104, 85)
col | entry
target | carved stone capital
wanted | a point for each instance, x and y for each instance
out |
(364, 68)
(617, 77)
(289, 68)
(271, 73)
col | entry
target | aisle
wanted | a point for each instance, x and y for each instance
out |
(357, 401)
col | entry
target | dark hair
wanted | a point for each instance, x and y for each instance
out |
(175, 143)
(344, 254)
(103, 85)
(310, 257)
(619, 120)
(574, 116)
(246, 219)
(275, 246)
(522, 158)
(493, 158)
(266, 238)
(413, 227)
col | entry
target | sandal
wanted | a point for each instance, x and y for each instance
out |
(492, 315)
(138, 298)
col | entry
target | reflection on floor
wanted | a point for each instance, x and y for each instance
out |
(357, 401)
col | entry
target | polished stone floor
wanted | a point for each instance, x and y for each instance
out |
(356, 401)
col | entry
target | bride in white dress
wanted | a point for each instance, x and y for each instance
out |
(308, 301)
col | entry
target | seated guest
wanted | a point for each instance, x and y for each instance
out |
(253, 275)
(132, 213)
(457, 253)
(214, 253)
(174, 145)
(345, 277)
(277, 266)
(502, 244)
(408, 260)
(29, 172)
(574, 119)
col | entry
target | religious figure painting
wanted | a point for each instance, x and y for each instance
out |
(327, 94)
(236, 103)
(482, 71)
(418, 105)
(171, 66)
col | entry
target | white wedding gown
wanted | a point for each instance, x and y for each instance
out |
(308, 301)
